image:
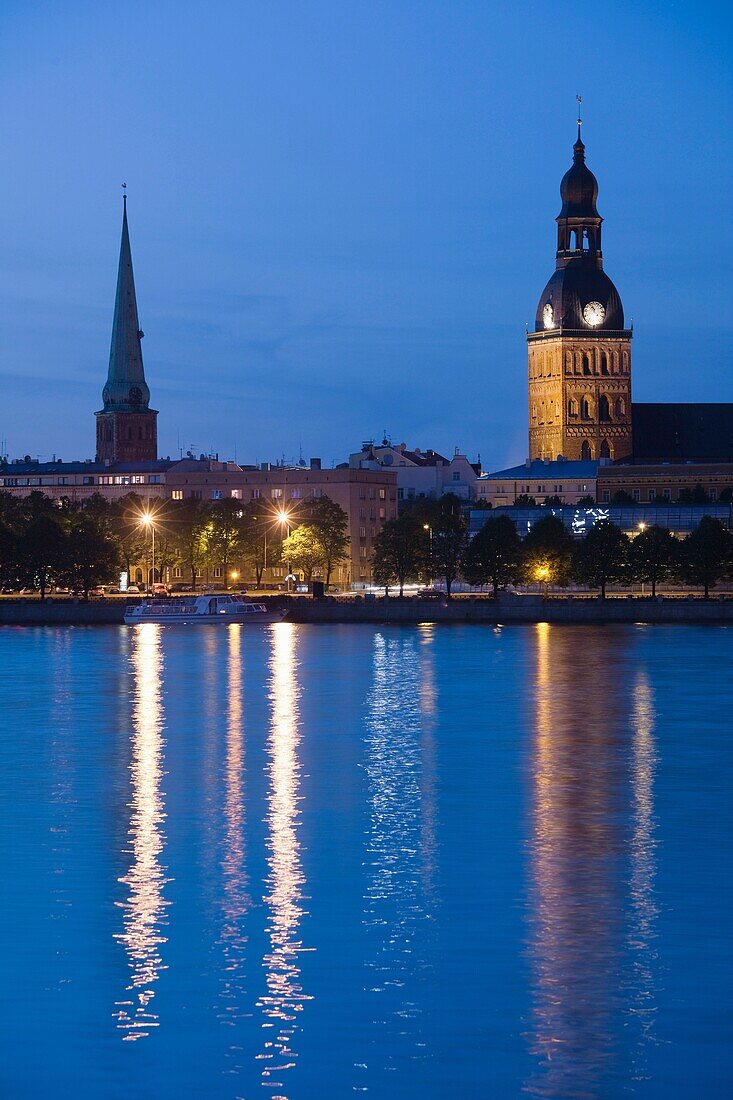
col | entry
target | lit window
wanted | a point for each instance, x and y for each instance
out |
(237, 494)
(256, 494)
(177, 494)
(276, 494)
(382, 494)
(218, 571)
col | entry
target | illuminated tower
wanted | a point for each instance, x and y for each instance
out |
(579, 355)
(126, 428)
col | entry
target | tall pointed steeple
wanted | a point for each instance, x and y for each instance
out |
(126, 386)
(126, 426)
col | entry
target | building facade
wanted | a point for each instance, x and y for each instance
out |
(126, 425)
(421, 475)
(579, 354)
(543, 480)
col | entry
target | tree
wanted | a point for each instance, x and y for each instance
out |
(547, 551)
(40, 549)
(553, 502)
(652, 555)
(260, 538)
(303, 550)
(494, 554)
(188, 522)
(621, 496)
(10, 527)
(447, 544)
(602, 556)
(399, 551)
(694, 496)
(331, 523)
(586, 502)
(706, 554)
(91, 556)
(222, 534)
(131, 536)
(525, 501)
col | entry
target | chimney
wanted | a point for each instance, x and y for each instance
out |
(315, 464)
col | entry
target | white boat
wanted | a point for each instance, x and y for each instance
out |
(203, 609)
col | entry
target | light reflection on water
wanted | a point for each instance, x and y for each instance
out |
(401, 843)
(285, 882)
(509, 849)
(144, 908)
(591, 885)
(235, 899)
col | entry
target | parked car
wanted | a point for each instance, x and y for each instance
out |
(179, 586)
(430, 593)
(159, 589)
(133, 590)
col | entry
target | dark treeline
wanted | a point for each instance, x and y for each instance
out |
(45, 544)
(432, 541)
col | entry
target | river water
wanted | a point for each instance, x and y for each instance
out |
(307, 861)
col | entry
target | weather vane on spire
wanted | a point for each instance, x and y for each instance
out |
(124, 193)
(579, 99)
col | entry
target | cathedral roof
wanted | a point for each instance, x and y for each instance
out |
(570, 289)
(579, 187)
(126, 389)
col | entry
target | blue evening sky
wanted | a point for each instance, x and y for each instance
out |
(342, 214)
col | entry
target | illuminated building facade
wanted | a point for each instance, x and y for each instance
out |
(579, 354)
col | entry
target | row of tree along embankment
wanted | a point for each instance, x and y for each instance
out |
(507, 609)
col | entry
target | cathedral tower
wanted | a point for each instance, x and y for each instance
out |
(126, 428)
(579, 353)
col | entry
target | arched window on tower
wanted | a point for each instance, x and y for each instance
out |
(604, 411)
(604, 363)
(586, 410)
(605, 451)
(586, 363)
(620, 407)
(625, 356)
(586, 453)
(108, 433)
(572, 407)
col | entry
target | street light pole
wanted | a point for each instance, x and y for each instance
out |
(428, 528)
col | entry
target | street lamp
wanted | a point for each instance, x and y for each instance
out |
(542, 573)
(642, 529)
(146, 520)
(284, 520)
(233, 575)
(428, 528)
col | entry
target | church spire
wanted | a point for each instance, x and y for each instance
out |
(126, 425)
(126, 387)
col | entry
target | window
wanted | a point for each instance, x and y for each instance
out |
(586, 364)
(362, 532)
(237, 494)
(276, 494)
(362, 513)
(372, 513)
(177, 572)
(652, 494)
(636, 494)
(604, 363)
(63, 481)
(216, 494)
(606, 496)
(296, 494)
(88, 481)
(382, 513)
(363, 552)
(218, 572)
(154, 479)
(316, 493)
(605, 451)
(713, 495)
(138, 479)
(372, 532)
(382, 494)
(362, 494)
(604, 410)
(620, 407)
(256, 494)
(586, 409)
(196, 494)
(456, 475)
(372, 494)
(585, 451)
(177, 494)
(667, 494)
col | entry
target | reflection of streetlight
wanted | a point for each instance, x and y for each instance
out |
(428, 528)
(146, 520)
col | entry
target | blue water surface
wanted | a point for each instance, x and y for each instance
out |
(303, 861)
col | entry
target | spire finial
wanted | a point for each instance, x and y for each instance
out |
(124, 195)
(579, 100)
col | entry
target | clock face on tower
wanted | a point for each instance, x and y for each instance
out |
(594, 314)
(548, 319)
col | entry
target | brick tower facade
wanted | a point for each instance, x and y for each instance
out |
(127, 429)
(579, 354)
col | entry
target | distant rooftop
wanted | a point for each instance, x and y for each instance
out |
(539, 468)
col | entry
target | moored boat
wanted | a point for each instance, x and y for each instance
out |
(203, 609)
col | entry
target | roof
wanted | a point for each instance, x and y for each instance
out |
(159, 465)
(682, 432)
(556, 469)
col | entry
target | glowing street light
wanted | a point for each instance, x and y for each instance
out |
(429, 529)
(284, 519)
(542, 573)
(147, 519)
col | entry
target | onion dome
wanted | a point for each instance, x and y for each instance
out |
(579, 187)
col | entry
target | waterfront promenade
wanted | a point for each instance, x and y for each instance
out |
(411, 610)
